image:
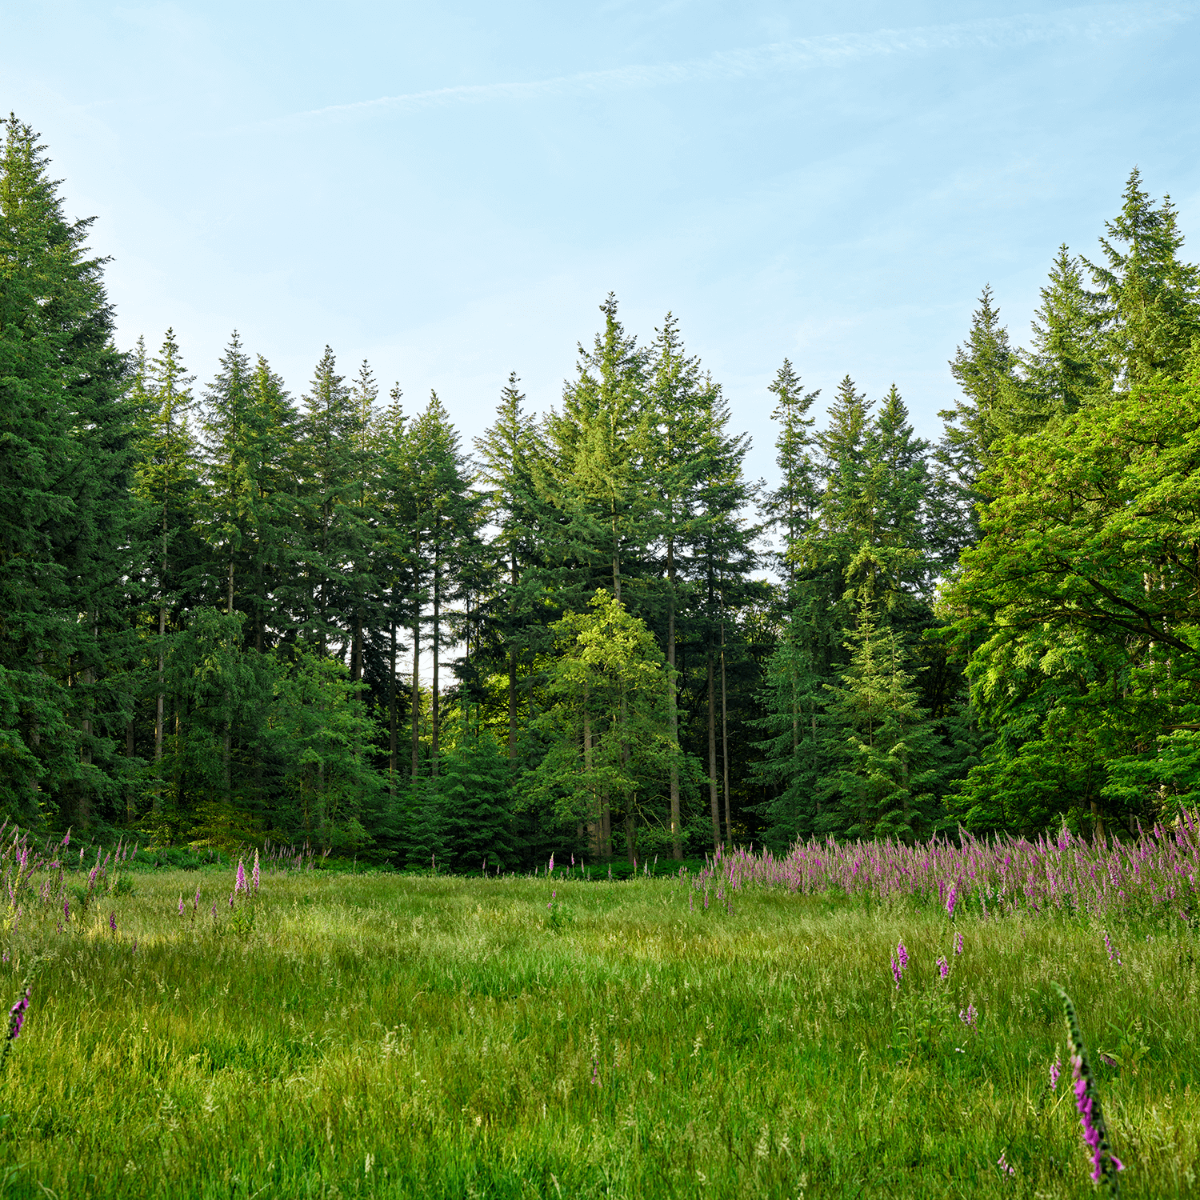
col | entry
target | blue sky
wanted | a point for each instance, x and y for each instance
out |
(449, 190)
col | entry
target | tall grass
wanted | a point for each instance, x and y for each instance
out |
(399, 1036)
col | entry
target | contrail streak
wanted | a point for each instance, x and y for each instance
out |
(1092, 22)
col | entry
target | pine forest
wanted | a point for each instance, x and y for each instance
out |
(235, 608)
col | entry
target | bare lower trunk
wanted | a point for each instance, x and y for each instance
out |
(416, 698)
(714, 803)
(673, 707)
(725, 744)
(393, 731)
(437, 618)
(161, 697)
(596, 823)
(512, 705)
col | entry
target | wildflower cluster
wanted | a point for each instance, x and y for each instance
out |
(1157, 873)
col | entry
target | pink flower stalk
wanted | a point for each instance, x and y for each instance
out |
(16, 1015)
(1085, 1105)
(196, 901)
(66, 839)
(240, 885)
(181, 906)
(968, 1017)
(902, 955)
(112, 921)
(951, 899)
(1114, 955)
(254, 873)
(897, 972)
(943, 967)
(551, 864)
(66, 910)
(958, 942)
(595, 1074)
(1055, 1072)
(1003, 1164)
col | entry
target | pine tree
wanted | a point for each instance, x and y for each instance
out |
(722, 556)
(676, 461)
(985, 368)
(447, 515)
(168, 486)
(1149, 299)
(595, 474)
(791, 508)
(508, 453)
(1064, 368)
(66, 429)
(882, 744)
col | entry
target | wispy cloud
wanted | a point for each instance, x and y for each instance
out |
(1091, 22)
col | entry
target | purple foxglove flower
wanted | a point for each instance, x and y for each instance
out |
(943, 967)
(950, 902)
(66, 839)
(240, 885)
(16, 1015)
(897, 972)
(902, 956)
(1055, 1072)
(181, 906)
(968, 1016)
(1005, 1168)
(196, 901)
(1114, 955)
(254, 873)
(552, 864)
(112, 921)
(66, 910)
(958, 943)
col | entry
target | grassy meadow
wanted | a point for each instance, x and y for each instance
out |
(385, 1035)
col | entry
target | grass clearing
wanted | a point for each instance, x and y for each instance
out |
(399, 1036)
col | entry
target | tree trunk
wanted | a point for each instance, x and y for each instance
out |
(673, 707)
(160, 700)
(393, 731)
(725, 744)
(437, 637)
(714, 803)
(596, 824)
(512, 664)
(416, 696)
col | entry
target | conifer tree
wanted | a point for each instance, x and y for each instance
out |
(676, 461)
(791, 508)
(985, 368)
(1064, 368)
(508, 454)
(66, 429)
(1149, 299)
(882, 744)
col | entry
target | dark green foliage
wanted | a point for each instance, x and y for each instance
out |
(477, 816)
(224, 619)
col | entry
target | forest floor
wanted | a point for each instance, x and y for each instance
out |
(450, 1037)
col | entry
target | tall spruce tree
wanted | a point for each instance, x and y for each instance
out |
(1149, 300)
(65, 545)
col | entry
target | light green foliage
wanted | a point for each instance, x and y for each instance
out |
(1080, 606)
(607, 727)
(384, 1036)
